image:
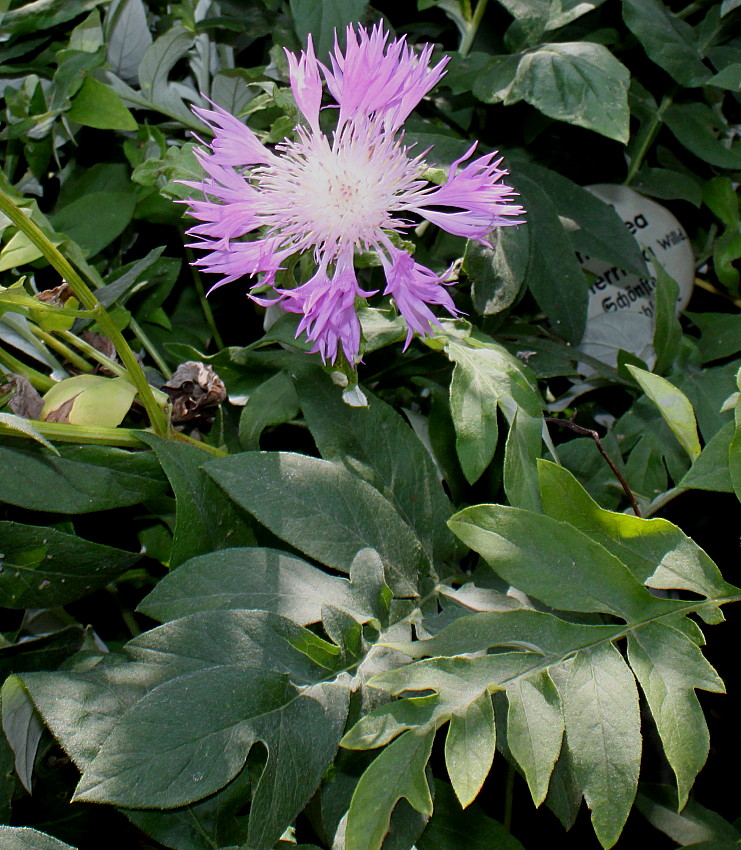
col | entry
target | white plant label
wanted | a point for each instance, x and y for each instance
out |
(621, 304)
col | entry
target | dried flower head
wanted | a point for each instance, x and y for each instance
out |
(332, 196)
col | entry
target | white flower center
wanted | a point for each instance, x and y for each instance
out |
(328, 197)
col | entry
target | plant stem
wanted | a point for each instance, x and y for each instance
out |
(205, 306)
(150, 348)
(473, 28)
(509, 796)
(38, 380)
(708, 287)
(82, 434)
(85, 296)
(71, 356)
(179, 437)
(649, 134)
(588, 432)
(116, 368)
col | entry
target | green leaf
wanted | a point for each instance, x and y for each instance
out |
(256, 579)
(710, 470)
(25, 838)
(693, 826)
(603, 731)
(669, 667)
(227, 676)
(82, 480)
(44, 568)
(291, 493)
(321, 18)
(98, 694)
(127, 38)
(375, 443)
(579, 82)
(95, 220)
(520, 452)
(23, 426)
(700, 130)
(174, 764)
(720, 196)
(535, 730)
(674, 407)
(8, 780)
(667, 184)
(451, 828)
(41, 652)
(486, 377)
(204, 519)
(252, 640)
(655, 550)
(469, 748)
(398, 772)
(600, 231)
(23, 729)
(89, 400)
(554, 275)
(668, 40)
(553, 561)
(667, 329)
(97, 105)
(272, 403)
(219, 820)
(497, 274)
(729, 78)
(36, 17)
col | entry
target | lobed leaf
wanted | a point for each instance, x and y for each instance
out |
(291, 493)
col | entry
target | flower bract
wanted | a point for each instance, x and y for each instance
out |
(329, 196)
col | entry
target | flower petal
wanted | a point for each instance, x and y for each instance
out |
(328, 307)
(240, 259)
(233, 143)
(413, 287)
(483, 202)
(306, 84)
(373, 78)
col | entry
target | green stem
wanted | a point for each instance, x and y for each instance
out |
(184, 438)
(473, 28)
(82, 434)
(691, 9)
(38, 380)
(648, 136)
(91, 351)
(205, 306)
(71, 356)
(84, 295)
(509, 796)
(150, 348)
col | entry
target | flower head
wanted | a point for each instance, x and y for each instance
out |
(331, 196)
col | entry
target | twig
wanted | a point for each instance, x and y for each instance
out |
(589, 432)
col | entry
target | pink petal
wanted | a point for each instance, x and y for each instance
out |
(413, 287)
(482, 202)
(328, 307)
(234, 143)
(371, 77)
(306, 84)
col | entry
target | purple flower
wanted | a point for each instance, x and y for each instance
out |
(332, 196)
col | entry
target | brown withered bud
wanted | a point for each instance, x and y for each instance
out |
(195, 391)
(57, 296)
(102, 344)
(26, 401)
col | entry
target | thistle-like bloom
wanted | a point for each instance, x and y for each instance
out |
(332, 196)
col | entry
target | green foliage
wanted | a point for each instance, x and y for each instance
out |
(286, 604)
